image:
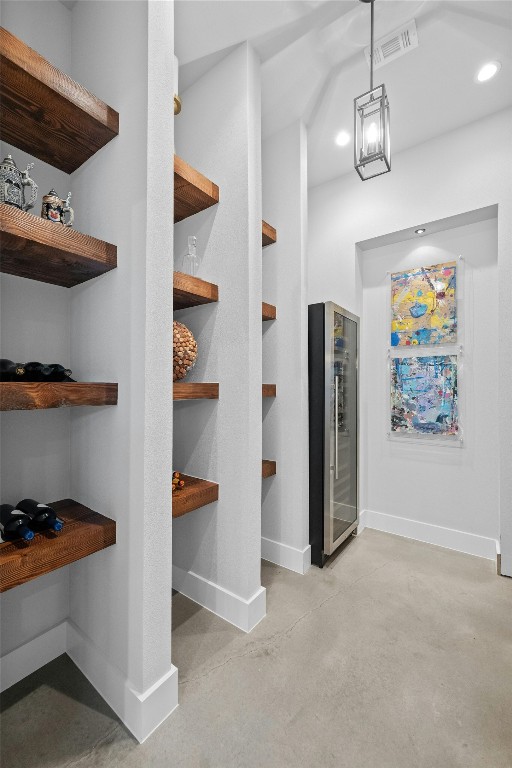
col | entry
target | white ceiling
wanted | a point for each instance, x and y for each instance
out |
(313, 64)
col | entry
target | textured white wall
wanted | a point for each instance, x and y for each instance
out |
(458, 172)
(285, 517)
(44, 25)
(35, 446)
(218, 132)
(445, 486)
(121, 331)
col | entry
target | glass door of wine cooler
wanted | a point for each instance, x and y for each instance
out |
(341, 426)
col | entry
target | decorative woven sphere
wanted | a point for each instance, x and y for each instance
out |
(184, 351)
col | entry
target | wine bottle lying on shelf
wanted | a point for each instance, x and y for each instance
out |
(42, 517)
(14, 524)
(33, 371)
(10, 371)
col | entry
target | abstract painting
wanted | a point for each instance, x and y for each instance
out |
(424, 395)
(423, 306)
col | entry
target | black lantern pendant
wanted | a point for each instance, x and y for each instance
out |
(372, 148)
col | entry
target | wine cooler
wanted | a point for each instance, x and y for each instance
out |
(333, 335)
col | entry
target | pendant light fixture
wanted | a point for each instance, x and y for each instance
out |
(372, 150)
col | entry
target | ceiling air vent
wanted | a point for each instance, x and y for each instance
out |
(392, 46)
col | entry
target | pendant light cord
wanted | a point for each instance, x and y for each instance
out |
(371, 48)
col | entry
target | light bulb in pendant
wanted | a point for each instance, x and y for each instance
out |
(372, 134)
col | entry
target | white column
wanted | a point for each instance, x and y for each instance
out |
(285, 515)
(121, 330)
(216, 558)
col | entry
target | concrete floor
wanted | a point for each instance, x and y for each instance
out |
(396, 655)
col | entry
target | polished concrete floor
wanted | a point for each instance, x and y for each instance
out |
(396, 655)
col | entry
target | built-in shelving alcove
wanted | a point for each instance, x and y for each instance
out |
(53, 118)
(193, 193)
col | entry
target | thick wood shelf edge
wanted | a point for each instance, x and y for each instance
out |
(29, 396)
(38, 249)
(84, 533)
(46, 113)
(268, 468)
(195, 494)
(192, 390)
(268, 234)
(193, 192)
(189, 291)
(269, 390)
(268, 311)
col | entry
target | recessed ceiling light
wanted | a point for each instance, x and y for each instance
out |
(342, 139)
(419, 231)
(488, 71)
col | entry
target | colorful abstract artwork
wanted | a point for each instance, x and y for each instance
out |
(424, 395)
(423, 306)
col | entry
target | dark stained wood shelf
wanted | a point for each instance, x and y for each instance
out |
(84, 532)
(269, 390)
(192, 291)
(29, 396)
(192, 390)
(41, 250)
(268, 234)
(268, 468)
(193, 192)
(46, 113)
(196, 493)
(268, 311)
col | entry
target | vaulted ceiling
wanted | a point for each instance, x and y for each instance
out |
(313, 64)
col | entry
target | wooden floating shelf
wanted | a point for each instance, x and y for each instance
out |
(41, 250)
(193, 192)
(196, 493)
(30, 396)
(46, 113)
(268, 311)
(191, 390)
(191, 291)
(268, 234)
(268, 468)
(269, 390)
(84, 532)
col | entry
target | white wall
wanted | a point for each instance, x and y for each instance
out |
(35, 445)
(217, 549)
(458, 172)
(284, 515)
(447, 486)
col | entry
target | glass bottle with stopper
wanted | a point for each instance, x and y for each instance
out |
(191, 259)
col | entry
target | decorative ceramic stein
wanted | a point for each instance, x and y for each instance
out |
(54, 209)
(12, 181)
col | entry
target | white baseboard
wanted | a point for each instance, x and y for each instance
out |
(471, 544)
(142, 713)
(17, 664)
(244, 614)
(298, 560)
